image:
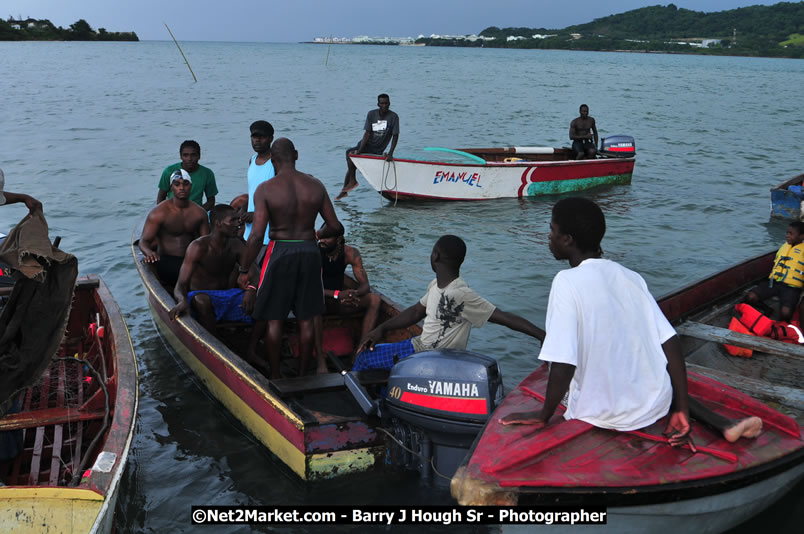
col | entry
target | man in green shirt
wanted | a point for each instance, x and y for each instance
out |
(203, 178)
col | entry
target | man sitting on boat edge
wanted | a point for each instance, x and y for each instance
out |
(380, 128)
(170, 227)
(619, 376)
(449, 307)
(207, 280)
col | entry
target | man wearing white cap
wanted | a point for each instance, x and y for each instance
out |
(7, 197)
(171, 226)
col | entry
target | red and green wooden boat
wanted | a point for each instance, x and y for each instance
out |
(312, 424)
(75, 425)
(645, 483)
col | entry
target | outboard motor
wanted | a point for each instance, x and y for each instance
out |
(617, 146)
(437, 403)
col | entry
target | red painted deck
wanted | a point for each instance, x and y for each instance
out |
(574, 454)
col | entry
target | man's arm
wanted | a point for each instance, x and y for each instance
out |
(161, 196)
(255, 238)
(354, 259)
(557, 384)
(594, 131)
(572, 135)
(209, 204)
(30, 202)
(148, 239)
(188, 264)
(363, 142)
(517, 322)
(409, 317)
(389, 156)
(679, 425)
(333, 228)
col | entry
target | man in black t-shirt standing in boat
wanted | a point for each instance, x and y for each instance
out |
(382, 127)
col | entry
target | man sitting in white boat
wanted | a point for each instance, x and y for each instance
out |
(450, 309)
(381, 127)
(610, 345)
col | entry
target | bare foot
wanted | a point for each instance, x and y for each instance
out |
(750, 427)
(350, 186)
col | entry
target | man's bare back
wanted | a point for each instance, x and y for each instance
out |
(292, 200)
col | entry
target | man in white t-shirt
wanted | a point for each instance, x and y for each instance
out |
(450, 309)
(610, 344)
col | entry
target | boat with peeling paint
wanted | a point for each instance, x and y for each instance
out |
(312, 424)
(510, 172)
(644, 483)
(74, 426)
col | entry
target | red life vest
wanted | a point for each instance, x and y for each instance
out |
(753, 320)
(750, 321)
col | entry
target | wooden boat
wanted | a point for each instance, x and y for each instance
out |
(312, 424)
(488, 173)
(786, 198)
(75, 427)
(645, 483)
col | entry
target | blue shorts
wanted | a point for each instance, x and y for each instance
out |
(384, 355)
(226, 303)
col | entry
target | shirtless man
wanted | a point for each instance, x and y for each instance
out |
(290, 278)
(582, 132)
(171, 226)
(207, 278)
(336, 255)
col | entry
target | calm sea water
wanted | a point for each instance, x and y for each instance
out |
(88, 127)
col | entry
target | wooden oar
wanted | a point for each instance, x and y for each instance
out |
(723, 455)
(477, 159)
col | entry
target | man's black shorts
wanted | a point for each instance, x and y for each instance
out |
(290, 279)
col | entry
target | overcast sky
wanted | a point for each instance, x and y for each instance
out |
(303, 20)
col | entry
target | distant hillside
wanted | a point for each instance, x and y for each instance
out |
(44, 30)
(760, 31)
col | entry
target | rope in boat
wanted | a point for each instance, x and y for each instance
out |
(396, 440)
(386, 169)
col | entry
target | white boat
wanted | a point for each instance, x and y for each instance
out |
(511, 172)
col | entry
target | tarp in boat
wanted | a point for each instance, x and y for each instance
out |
(33, 321)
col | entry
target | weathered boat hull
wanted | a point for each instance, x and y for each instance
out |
(318, 431)
(705, 515)
(418, 179)
(37, 506)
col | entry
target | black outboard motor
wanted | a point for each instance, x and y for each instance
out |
(617, 146)
(437, 403)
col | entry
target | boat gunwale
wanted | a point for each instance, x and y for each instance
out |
(502, 164)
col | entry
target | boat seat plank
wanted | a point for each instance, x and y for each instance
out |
(759, 389)
(49, 416)
(287, 387)
(726, 336)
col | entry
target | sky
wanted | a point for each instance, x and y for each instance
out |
(303, 20)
